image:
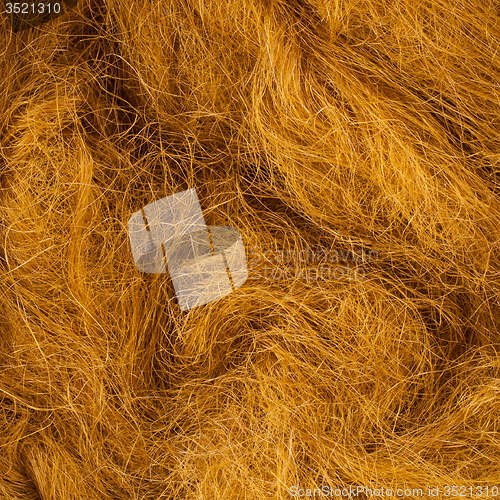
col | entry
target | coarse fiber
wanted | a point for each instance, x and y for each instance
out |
(354, 145)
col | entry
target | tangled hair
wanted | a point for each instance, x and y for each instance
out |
(354, 144)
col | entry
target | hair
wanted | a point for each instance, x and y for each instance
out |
(364, 128)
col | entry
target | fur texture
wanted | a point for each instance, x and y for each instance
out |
(356, 135)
